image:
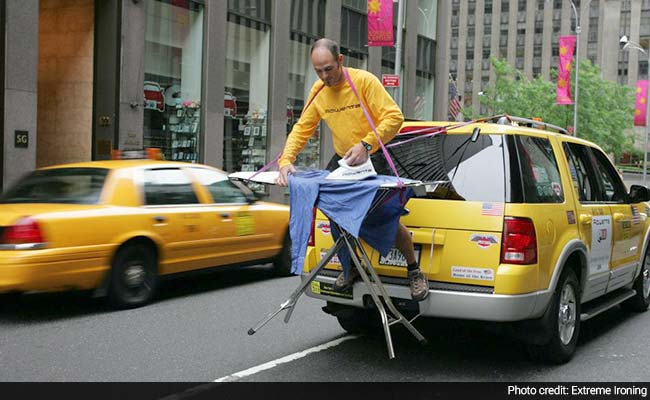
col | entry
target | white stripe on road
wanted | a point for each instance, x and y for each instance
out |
(283, 360)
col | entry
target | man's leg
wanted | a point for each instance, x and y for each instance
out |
(417, 281)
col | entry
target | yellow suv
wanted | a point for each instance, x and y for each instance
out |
(530, 226)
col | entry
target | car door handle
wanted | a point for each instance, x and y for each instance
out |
(618, 216)
(224, 215)
(159, 219)
(585, 219)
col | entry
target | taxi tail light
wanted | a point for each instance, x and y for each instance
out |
(25, 231)
(519, 241)
(312, 238)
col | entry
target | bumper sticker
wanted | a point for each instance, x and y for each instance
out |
(479, 274)
(484, 241)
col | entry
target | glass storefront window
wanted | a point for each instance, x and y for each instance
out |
(172, 77)
(307, 25)
(246, 89)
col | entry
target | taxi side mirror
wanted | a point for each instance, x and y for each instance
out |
(639, 193)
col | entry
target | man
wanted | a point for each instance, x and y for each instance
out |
(333, 100)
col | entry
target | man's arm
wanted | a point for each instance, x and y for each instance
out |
(383, 108)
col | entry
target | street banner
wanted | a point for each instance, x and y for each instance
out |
(380, 23)
(567, 44)
(641, 105)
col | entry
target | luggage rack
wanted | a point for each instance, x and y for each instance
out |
(505, 119)
(359, 259)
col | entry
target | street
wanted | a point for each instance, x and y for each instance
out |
(197, 332)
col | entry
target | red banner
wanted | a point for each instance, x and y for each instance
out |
(380, 23)
(641, 103)
(567, 44)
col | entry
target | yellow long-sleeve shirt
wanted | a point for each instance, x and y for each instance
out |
(341, 111)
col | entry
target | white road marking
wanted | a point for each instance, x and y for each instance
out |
(284, 360)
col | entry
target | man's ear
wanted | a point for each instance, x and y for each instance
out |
(341, 59)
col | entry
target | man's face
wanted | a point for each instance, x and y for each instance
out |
(327, 67)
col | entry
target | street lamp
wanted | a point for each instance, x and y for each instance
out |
(628, 44)
(576, 15)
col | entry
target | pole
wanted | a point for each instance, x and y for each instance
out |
(575, 103)
(398, 47)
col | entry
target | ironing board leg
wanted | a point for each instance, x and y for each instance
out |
(291, 301)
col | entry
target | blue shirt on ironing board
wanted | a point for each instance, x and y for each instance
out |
(346, 203)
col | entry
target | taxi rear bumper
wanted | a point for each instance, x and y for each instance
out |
(451, 304)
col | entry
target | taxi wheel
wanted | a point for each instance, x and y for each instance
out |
(641, 300)
(134, 277)
(282, 262)
(564, 323)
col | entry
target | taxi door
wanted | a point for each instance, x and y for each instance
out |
(593, 217)
(177, 216)
(626, 223)
(239, 231)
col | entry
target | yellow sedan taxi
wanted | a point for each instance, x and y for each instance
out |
(117, 226)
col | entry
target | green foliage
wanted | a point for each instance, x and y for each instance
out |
(605, 109)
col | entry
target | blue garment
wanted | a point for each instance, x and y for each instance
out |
(346, 203)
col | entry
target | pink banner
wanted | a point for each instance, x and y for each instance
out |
(641, 105)
(567, 44)
(380, 23)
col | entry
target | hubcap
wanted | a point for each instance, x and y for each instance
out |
(134, 275)
(567, 314)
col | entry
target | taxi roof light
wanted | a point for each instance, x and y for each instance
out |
(150, 153)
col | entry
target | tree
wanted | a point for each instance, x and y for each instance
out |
(605, 109)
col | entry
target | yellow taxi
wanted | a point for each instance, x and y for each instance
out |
(117, 226)
(527, 226)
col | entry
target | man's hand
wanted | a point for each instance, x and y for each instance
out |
(356, 155)
(283, 177)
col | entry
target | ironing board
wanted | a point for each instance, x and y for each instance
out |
(359, 260)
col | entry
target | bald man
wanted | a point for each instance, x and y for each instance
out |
(332, 100)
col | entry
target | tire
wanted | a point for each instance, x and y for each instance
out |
(359, 321)
(282, 262)
(641, 300)
(563, 324)
(134, 277)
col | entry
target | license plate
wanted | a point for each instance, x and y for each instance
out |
(396, 259)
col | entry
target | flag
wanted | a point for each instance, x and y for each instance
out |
(380, 23)
(641, 105)
(454, 102)
(567, 44)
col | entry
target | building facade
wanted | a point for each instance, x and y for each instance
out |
(526, 34)
(216, 82)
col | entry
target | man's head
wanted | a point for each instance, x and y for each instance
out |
(327, 61)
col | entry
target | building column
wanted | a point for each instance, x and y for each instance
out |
(410, 50)
(547, 41)
(633, 60)
(278, 85)
(529, 52)
(131, 79)
(477, 74)
(215, 30)
(496, 36)
(20, 94)
(443, 42)
(609, 43)
(332, 31)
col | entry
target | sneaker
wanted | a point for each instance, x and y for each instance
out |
(341, 283)
(418, 284)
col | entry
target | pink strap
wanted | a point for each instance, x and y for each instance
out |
(374, 129)
(275, 160)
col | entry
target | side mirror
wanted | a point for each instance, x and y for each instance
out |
(639, 193)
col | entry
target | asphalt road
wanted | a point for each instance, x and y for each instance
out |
(197, 332)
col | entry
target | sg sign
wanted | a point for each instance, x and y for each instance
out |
(22, 139)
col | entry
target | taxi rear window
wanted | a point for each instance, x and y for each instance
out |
(473, 170)
(61, 185)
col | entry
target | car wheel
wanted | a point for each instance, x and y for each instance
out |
(641, 299)
(359, 321)
(564, 322)
(282, 262)
(134, 277)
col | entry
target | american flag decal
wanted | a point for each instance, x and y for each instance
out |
(492, 209)
(636, 217)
